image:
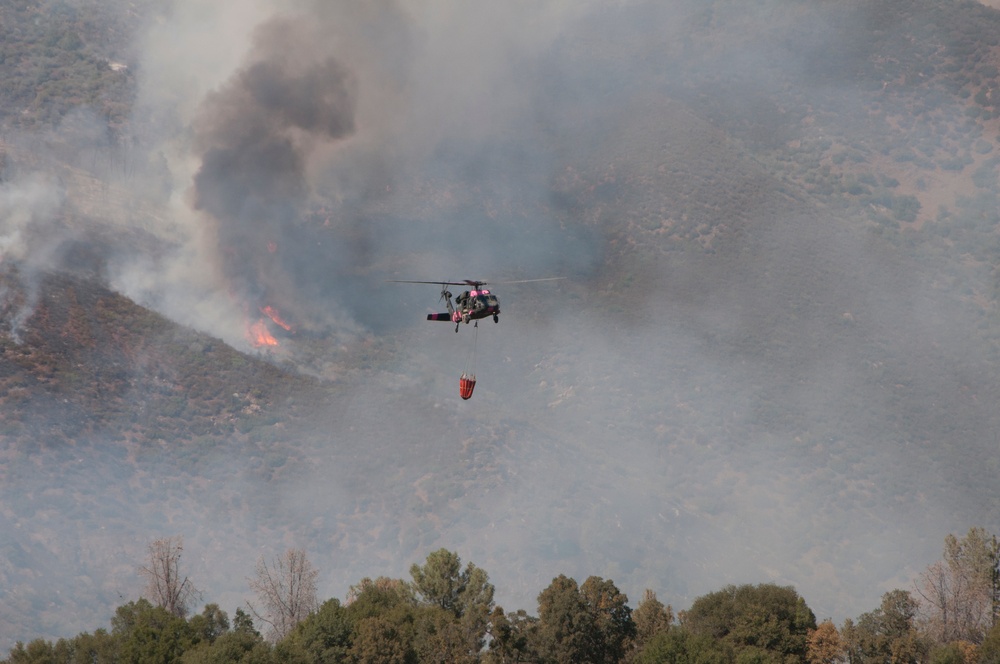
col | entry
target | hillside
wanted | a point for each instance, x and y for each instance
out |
(774, 358)
(108, 410)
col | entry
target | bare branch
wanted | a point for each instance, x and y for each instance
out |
(958, 593)
(164, 585)
(286, 591)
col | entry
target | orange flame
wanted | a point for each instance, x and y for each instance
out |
(270, 312)
(259, 336)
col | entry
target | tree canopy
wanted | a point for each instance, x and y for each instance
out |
(447, 614)
(767, 621)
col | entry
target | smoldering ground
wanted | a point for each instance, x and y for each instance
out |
(771, 401)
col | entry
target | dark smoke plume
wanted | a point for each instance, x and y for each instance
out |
(254, 137)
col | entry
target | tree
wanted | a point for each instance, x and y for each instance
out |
(210, 624)
(651, 617)
(823, 646)
(147, 633)
(286, 591)
(442, 581)
(589, 623)
(378, 641)
(677, 645)
(564, 623)
(512, 637)
(165, 586)
(440, 638)
(243, 623)
(959, 594)
(612, 618)
(220, 645)
(951, 653)
(885, 635)
(325, 636)
(466, 595)
(97, 648)
(989, 651)
(37, 651)
(234, 647)
(758, 619)
(370, 598)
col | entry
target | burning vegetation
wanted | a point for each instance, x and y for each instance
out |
(259, 336)
(259, 332)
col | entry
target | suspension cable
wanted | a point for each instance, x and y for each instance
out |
(475, 341)
(471, 361)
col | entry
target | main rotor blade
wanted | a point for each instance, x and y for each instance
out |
(436, 283)
(472, 282)
(527, 281)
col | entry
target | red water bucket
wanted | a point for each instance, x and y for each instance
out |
(466, 384)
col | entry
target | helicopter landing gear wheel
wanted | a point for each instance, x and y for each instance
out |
(496, 319)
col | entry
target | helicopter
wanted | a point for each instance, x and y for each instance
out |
(470, 305)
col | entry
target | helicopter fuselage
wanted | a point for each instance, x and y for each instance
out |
(473, 304)
(469, 306)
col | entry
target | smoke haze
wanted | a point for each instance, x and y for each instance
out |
(345, 137)
(736, 383)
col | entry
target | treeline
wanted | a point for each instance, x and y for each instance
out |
(446, 613)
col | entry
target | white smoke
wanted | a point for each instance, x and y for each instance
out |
(27, 206)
